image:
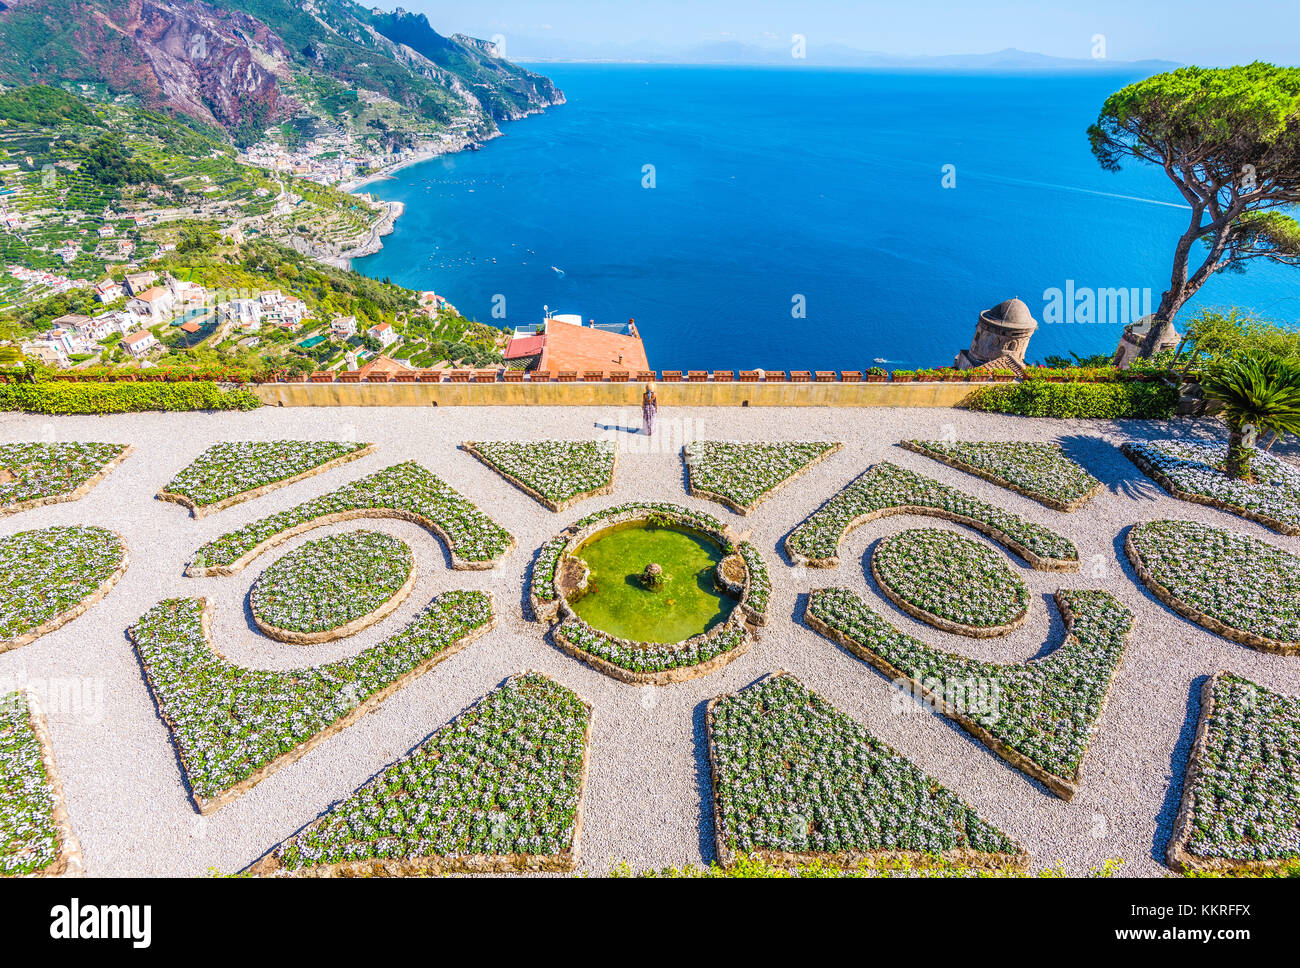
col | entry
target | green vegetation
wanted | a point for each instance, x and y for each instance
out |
(1229, 139)
(1259, 393)
(40, 471)
(1106, 401)
(102, 398)
(29, 836)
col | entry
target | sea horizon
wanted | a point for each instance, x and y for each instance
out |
(888, 206)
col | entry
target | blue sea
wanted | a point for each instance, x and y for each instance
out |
(777, 191)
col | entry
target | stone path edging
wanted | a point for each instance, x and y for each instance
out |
(69, 862)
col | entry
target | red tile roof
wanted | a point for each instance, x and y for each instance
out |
(570, 347)
(522, 346)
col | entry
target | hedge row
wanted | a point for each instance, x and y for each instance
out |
(101, 398)
(1145, 401)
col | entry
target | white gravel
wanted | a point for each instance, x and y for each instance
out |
(647, 797)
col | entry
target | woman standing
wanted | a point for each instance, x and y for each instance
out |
(649, 407)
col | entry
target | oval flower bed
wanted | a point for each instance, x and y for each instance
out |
(888, 489)
(50, 576)
(232, 472)
(951, 582)
(1237, 586)
(333, 587)
(648, 663)
(34, 474)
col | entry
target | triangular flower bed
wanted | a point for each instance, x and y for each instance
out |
(498, 789)
(230, 473)
(1241, 804)
(233, 727)
(35, 474)
(36, 839)
(796, 780)
(1038, 715)
(405, 491)
(741, 476)
(887, 489)
(1039, 471)
(555, 473)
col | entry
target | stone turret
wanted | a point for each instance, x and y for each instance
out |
(1002, 331)
(1144, 339)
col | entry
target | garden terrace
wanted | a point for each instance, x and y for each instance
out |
(230, 473)
(741, 476)
(50, 576)
(406, 491)
(1195, 472)
(888, 489)
(497, 789)
(1234, 585)
(796, 780)
(235, 726)
(951, 582)
(555, 473)
(1038, 715)
(1241, 806)
(560, 577)
(36, 474)
(1040, 472)
(332, 588)
(35, 835)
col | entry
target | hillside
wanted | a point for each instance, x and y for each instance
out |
(244, 65)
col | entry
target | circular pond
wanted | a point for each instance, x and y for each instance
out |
(648, 582)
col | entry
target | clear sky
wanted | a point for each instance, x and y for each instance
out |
(1190, 31)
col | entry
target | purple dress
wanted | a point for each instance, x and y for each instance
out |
(648, 409)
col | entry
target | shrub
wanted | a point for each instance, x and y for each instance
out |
(102, 398)
(1106, 401)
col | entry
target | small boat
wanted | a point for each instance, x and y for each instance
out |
(558, 271)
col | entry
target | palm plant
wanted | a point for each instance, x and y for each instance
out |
(1263, 392)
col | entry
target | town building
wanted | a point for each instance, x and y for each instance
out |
(139, 343)
(137, 282)
(108, 291)
(343, 326)
(154, 305)
(385, 333)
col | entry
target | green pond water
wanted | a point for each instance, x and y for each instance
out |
(616, 602)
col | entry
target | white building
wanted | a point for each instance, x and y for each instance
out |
(139, 343)
(244, 313)
(385, 333)
(108, 291)
(155, 304)
(343, 326)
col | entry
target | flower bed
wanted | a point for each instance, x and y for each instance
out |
(888, 489)
(333, 587)
(35, 474)
(233, 726)
(796, 780)
(555, 473)
(1040, 472)
(405, 491)
(50, 576)
(35, 836)
(951, 582)
(497, 789)
(1237, 586)
(741, 476)
(1038, 715)
(229, 473)
(1194, 472)
(649, 663)
(1241, 803)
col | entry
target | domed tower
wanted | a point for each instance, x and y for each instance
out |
(1002, 331)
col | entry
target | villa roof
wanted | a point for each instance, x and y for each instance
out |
(136, 337)
(524, 346)
(578, 348)
(383, 364)
(157, 292)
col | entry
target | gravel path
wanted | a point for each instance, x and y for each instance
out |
(647, 797)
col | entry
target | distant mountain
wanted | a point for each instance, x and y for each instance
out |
(245, 64)
(541, 50)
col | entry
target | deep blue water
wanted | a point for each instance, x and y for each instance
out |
(776, 183)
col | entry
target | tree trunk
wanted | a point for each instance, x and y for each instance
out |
(1238, 455)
